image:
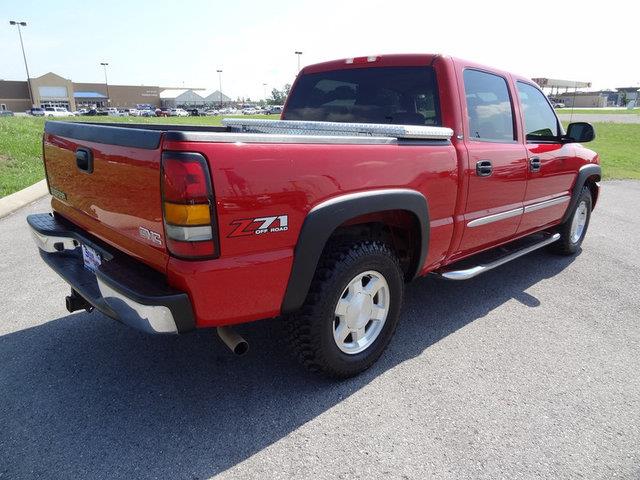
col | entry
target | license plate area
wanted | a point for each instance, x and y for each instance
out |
(90, 258)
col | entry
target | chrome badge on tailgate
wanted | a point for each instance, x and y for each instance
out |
(153, 237)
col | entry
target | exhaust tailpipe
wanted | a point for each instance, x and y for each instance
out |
(233, 340)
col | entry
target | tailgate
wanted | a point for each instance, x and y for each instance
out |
(106, 179)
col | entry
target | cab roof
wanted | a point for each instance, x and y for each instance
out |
(392, 60)
(401, 60)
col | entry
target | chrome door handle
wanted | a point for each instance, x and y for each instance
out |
(484, 168)
(534, 164)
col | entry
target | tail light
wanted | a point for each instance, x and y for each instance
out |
(188, 206)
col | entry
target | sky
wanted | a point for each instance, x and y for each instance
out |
(170, 43)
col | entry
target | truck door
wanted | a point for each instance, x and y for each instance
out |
(497, 161)
(552, 164)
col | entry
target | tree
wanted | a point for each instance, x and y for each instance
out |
(278, 97)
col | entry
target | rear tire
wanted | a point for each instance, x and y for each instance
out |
(573, 231)
(351, 310)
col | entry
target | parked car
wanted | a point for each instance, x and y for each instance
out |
(114, 112)
(6, 113)
(57, 112)
(133, 112)
(197, 112)
(444, 167)
(273, 109)
(36, 112)
(558, 104)
(146, 113)
(162, 112)
(212, 113)
(178, 112)
(82, 111)
(249, 111)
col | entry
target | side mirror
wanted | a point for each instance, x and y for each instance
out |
(580, 132)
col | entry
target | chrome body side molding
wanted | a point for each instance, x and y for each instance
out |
(495, 217)
(547, 203)
(518, 211)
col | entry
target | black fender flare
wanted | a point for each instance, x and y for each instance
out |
(327, 216)
(585, 172)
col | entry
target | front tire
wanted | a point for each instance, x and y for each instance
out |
(573, 231)
(351, 311)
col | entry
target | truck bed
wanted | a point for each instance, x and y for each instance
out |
(251, 130)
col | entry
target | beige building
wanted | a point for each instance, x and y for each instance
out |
(14, 96)
(51, 90)
(127, 96)
(583, 99)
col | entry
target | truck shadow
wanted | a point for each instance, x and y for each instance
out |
(83, 397)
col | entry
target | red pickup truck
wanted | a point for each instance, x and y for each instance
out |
(381, 169)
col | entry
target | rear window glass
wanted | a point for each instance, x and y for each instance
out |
(405, 96)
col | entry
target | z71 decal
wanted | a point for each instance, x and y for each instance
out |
(259, 226)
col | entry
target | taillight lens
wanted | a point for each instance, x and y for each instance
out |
(187, 201)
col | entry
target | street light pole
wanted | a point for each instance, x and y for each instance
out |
(298, 54)
(106, 83)
(24, 56)
(220, 85)
(264, 91)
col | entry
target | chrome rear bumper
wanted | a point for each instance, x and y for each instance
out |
(121, 288)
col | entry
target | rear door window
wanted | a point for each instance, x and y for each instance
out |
(489, 108)
(393, 95)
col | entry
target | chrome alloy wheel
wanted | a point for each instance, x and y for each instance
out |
(579, 221)
(361, 312)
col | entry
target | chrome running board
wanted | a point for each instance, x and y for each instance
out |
(474, 271)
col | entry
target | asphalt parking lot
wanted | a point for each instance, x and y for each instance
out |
(566, 116)
(530, 371)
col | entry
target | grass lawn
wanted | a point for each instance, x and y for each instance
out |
(20, 153)
(21, 162)
(619, 147)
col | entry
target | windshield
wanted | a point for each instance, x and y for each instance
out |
(397, 95)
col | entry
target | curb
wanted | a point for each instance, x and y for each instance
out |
(13, 202)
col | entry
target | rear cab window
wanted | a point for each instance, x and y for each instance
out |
(391, 95)
(489, 109)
